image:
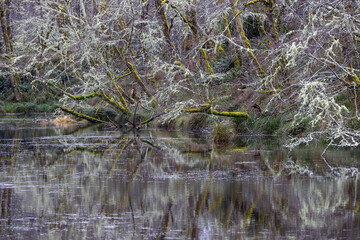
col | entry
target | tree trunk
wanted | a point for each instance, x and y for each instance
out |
(15, 84)
(5, 27)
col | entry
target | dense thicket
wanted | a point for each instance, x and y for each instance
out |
(292, 58)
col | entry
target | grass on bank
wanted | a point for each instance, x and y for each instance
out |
(26, 107)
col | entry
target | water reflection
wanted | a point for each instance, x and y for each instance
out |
(103, 184)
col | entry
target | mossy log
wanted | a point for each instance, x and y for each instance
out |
(82, 97)
(206, 108)
(214, 112)
(80, 115)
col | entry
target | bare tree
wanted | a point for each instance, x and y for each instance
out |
(163, 58)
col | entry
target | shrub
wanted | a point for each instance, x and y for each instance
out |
(197, 122)
(222, 132)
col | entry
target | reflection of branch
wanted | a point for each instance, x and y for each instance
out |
(134, 117)
(292, 167)
(152, 145)
(79, 130)
(342, 171)
(125, 144)
(205, 108)
(85, 150)
(339, 171)
(272, 171)
(165, 224)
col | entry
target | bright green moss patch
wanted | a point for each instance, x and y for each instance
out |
(214, 112)
(235, 114)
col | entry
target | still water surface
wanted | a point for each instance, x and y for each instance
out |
(98, 183)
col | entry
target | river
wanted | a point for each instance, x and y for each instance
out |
(103, 183)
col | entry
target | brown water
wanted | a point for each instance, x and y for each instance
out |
(98, 183)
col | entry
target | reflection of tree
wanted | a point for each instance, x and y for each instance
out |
(8, 161)
(120, 185)
(309, 165)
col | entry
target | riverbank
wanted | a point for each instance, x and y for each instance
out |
(27, 107)
(262, 119)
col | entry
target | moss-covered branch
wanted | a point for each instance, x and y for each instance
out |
(80, 115)
(242, 34)
(214, 112)
(5, 28)
(115, 103)
(151, 119)
(166, 27)
(206, 108)
(80, 97)
(191, 25)
(118, 89)
(228, 33)
(137, 78)
(254, 1)
(206, 62)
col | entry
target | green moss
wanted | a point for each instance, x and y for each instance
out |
(193, 110)
(46, 107)
(80, 115)
(28, 107)
(272, 91)
(20, 107)
(102, 113)
(207, 65)
(82, 97)
(235, 114)
(214, 112)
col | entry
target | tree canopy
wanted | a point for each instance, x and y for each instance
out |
(110, 60)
